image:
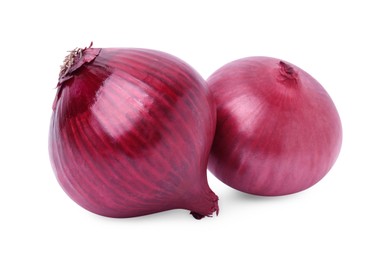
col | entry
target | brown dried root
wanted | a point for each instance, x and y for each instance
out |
(70, 59)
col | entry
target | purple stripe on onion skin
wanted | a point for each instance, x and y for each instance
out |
(74, 158)
(183, 77)
(182, 80)
(65, 157)
(125, 137)
(188, 131)
(57, 157)
(153, 136)
(156, 95)
(71, 187)
(99, 168)
(182, 117)
(121, 160)
(95, 185)
(163, 103)
(177, 78)
(117, 190)
(115, 145)
(118, 196)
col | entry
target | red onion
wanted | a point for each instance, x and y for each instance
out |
(278, 131)
(131, 132)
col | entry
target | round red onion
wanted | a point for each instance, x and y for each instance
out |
(278, 131)
(131, 132)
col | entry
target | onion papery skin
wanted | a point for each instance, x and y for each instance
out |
(130, 133)
(278, 131)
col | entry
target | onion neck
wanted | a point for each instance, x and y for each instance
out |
(205, 207)
(69, 60)
(72, 62)
(75, 60)
(287, 75)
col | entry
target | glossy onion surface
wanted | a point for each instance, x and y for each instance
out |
(131, 132)
(278, 131)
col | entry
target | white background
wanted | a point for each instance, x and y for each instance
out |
(341, 43)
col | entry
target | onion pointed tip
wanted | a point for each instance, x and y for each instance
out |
(214, 209)
(196, 215)
(287, 75)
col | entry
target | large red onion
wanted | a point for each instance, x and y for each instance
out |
(278, 131)
(131, 132)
